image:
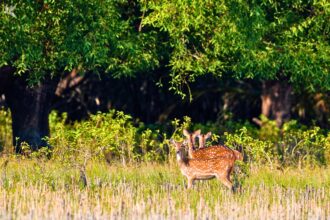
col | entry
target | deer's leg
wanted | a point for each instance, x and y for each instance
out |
(226, 181)
(229, 172)
(190, 182)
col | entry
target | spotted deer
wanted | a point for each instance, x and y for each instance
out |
(209, 152)
(204, 169)
(202, 139)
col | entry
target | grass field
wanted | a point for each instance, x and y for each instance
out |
(64, 187)
(31, 189)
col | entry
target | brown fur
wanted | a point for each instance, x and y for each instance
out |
(216, 151)
(209, 152)
(204, 169)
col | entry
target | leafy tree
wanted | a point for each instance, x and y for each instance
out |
(283, 44)
(43, 41)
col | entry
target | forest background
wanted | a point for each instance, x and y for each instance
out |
(89, 88)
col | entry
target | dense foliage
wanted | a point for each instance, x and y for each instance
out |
(255, 39)
(246, 39)
(179, 40)
(115, 137)
(48, 38)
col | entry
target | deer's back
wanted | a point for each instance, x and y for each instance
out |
(213, 152)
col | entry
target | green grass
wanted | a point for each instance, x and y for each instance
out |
(291, 177)
(48, 189)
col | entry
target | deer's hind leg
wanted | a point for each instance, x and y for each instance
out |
(190, 182)
(226, 181)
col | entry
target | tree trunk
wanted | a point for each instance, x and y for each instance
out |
(276, 101)
(6, 73)
(30, 107)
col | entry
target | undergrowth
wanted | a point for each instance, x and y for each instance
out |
(115, 137)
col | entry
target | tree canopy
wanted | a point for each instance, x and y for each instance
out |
(243, 39)
(246, 39)
(48, 38)
(281, 43)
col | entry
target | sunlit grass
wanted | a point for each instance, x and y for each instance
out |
(47, 189)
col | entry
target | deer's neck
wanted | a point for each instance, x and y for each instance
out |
(191, 151)
(191, 146)
(201, 142)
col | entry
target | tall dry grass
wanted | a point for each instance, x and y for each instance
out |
(39, 202)
(154, 191)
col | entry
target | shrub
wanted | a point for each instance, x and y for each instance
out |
(115, 137)
(301, 146)
(254, 150)
(292, 145)
(111, 136)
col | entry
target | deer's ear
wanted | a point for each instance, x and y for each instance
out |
(198, 132)
(186, 133)
(208, 134)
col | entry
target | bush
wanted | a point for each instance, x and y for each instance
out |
(301, 146)
(115, 137)
(254, 150)
(111, 136)
(292, 145)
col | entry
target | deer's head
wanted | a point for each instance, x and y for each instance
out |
(191, 137)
